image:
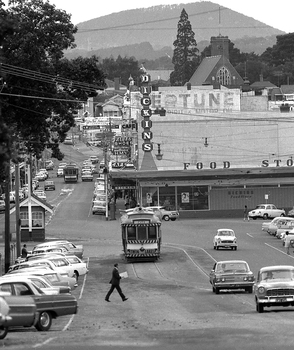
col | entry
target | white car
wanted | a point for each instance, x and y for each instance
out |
(266, 211)
(225, 238)
(41, 194)
(270, 227)
(166, 213)
(87, 176)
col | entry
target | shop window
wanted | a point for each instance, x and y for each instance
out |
(167, 197)
(192, 197)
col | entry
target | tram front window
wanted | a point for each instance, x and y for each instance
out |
(131, 231)
(152, 232)
(141, 232)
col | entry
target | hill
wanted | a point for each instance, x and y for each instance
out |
(131, 31)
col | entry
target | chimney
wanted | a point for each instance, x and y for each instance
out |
(220, 46)
(116, 83)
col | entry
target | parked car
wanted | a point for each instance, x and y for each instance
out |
(266, 211)
(76, 249)
(49, 185)
(274, 287)
(283, 224)
(22, 312)
(2, 205)
(56, 265)
(99, 207)
(42, 282)
(166, 213)
(225, 238)
(41, 194)
(56, 278)
(270, 227)
(47, 306)
(231, 274)
(87, 176)
(94, 159)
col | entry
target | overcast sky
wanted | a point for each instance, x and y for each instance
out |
(278, 14)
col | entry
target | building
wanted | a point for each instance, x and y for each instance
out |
(217, 146)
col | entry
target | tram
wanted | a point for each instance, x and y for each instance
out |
(141, 234)
(71, 173)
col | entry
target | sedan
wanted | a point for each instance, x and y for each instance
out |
(56, 279)
(274, 287)
(48, 306)
(22, 312)
(49, 185)
(225, 238)
(166, 213)
(266, 211)
(231, 274)
(76, 249)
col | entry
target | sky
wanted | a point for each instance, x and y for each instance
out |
(279, 15)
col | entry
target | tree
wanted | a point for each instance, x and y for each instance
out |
(43, 89)
(121, 68)
(185, 57)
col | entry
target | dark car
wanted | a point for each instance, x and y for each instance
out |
(231, 274)
(22, 312)
(48, 306)
(49, 185)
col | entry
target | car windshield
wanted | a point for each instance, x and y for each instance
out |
(232, 267)
(226, 233)
(277, 275)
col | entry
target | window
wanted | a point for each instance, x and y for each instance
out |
(223, 76)
(142, 234)
(152, 232)
(37, 218)
(131, 232)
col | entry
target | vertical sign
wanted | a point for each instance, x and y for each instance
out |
(146, 112)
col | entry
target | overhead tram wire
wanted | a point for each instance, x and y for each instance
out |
(47, 78)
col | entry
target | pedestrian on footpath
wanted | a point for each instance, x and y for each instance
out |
(115, 281)
(246, 217)
(24, 251)
(288, 240)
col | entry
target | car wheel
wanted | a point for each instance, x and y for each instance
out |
(249, 289)
(166, 218)
(254, 218)
(216, 290)
(235, 248)
(44, 321)
(214, 247)
(265, 216)
(259, 308)
(3, 332)
(282, 215)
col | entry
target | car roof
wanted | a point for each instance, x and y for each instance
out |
(232, 262)
(276, 267)
(225, 229)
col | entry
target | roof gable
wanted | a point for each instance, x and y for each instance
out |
(35, 200)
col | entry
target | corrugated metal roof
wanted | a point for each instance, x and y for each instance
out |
(202, 72)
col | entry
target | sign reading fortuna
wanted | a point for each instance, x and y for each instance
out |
(146, 112)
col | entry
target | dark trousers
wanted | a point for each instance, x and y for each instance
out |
(112, 289)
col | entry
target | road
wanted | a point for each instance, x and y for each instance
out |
(171, 304)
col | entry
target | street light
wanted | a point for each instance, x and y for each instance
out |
(159, 155)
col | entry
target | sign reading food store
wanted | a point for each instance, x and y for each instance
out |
(146, 112)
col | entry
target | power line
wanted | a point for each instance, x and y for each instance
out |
(47, 78)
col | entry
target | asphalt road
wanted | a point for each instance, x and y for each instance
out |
(171, 304)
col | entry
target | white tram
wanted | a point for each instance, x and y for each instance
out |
(141, 234)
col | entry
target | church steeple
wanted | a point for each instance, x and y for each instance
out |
(220, 46)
